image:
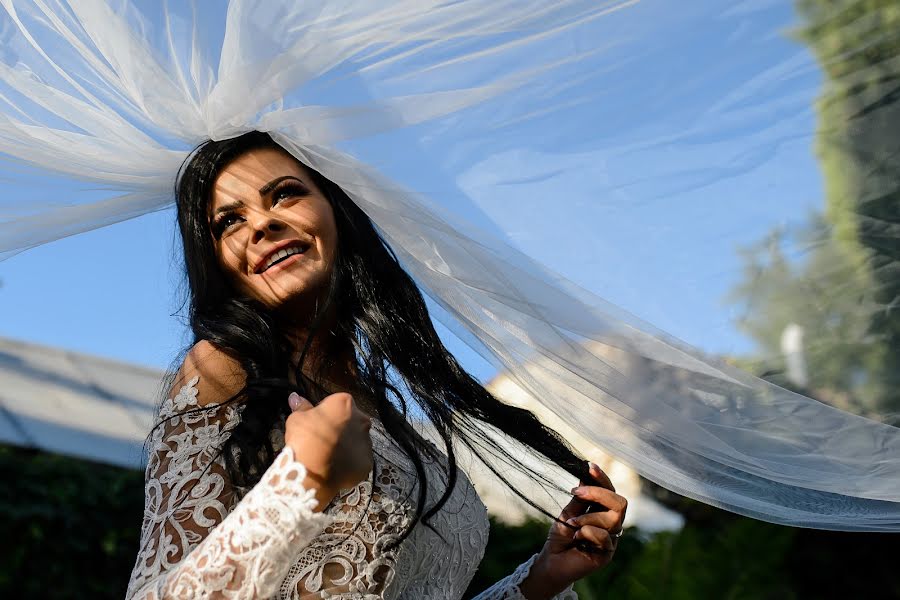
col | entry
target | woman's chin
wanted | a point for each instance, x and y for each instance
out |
(295, 301)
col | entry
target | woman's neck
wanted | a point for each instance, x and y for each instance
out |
(339, 373)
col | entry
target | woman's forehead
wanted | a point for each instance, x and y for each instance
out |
(243, 177)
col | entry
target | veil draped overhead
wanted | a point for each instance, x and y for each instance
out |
(555, 176)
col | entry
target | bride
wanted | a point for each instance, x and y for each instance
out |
(255, 492)
(252, 492)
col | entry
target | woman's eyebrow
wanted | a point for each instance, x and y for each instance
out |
(228, 207)
(271, 185)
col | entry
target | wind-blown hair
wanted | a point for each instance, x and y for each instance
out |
(379, 311)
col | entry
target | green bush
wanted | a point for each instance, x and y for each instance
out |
(718, 556)
(70, 529)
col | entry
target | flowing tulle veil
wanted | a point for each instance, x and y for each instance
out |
(521, 112)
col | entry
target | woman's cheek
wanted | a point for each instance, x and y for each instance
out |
(237, 274)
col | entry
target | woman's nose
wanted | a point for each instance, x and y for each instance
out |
(265, 225)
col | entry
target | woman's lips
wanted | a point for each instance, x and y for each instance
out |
(283, 248)
(290, 260)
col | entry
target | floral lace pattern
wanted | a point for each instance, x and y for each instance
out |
(197, 541)
(193, 545)
(508, 589)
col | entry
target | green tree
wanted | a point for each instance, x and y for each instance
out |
(845, 292)
(825, 293)
(857, 44)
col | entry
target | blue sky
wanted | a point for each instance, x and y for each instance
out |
(698, 140)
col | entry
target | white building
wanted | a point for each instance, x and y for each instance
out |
(643, 511)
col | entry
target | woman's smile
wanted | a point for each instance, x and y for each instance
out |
(279, 255)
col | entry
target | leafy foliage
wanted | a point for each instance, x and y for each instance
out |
(71, 530)
(706, 562)
(824, 292)
(70, 527)
(844, 287)
(717, 555)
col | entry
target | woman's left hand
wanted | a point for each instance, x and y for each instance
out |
(587, 544)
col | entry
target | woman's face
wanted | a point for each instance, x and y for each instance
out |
(274, 231)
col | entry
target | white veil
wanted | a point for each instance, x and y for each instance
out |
(509, 105)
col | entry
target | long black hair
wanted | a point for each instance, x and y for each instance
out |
(378, 311)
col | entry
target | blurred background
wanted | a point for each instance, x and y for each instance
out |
(764, 189)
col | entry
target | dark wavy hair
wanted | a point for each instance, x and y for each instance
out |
(379, 311)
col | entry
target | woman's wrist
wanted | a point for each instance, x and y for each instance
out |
(324, 494)
(539, 584)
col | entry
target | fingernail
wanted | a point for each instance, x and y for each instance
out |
(594, 466)
(294, 400)
(577, 490)
(573, 522)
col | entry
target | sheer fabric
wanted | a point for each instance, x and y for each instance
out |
(197, 541)
(508, 105)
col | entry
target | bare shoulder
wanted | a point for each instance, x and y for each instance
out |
(219, 375)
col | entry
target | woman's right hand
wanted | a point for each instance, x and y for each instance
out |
(332, 441)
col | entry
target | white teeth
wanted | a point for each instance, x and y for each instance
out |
(282, 254)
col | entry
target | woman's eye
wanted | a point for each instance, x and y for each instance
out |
(288, 191)
(223, 223)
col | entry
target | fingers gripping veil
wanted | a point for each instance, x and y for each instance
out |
(528, 119)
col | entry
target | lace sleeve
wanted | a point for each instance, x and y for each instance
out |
(508, 588)
(196, 541)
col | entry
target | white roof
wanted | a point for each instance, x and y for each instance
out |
(76, 404)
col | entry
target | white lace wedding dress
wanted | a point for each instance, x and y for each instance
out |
(197, 541)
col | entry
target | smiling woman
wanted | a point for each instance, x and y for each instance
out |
(292, 289)
(267, 214)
